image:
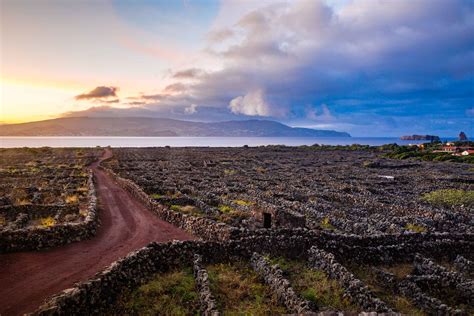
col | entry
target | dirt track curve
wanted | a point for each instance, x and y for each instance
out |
(27, 278)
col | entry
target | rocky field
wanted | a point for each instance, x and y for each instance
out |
(278, 230)
(42, 190)
(342, 191)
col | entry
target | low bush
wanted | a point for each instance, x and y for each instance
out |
(415, 228)
(450, 197)
(47, 221)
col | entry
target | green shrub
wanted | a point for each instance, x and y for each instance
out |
(225, 208)
(243, 202)
(326, 224)
(450, 197)
(415, 228)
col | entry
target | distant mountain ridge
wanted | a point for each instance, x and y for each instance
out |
(142, 126)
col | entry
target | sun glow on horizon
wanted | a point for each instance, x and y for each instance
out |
(29, 100)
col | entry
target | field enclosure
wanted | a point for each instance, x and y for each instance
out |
(341, 191)
(44, 188)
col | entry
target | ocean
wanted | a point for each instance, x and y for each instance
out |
(13, 142)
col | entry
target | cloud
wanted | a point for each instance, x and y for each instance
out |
(252, 104)
(98, 93)
(398, 65)
(188, 73)
(319, 114)
(219, 36)
(175, 87)
(191, 109)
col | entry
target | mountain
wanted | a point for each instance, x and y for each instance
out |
(142, 126)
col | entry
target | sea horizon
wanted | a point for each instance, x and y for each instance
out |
(193, 141)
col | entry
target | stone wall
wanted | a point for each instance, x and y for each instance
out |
(98, 294)
(273, 276)
(35, 238)
(464, 265)
(201, 227)
(354, 288)
(396, 248)
(207, 300)
(11, 212)
(410, 290)
(445, 278)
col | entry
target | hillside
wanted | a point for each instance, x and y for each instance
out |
(141, 126)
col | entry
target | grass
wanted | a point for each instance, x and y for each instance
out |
(156, 196)
(47, 222)
(83, 213)
(230, 215)
(187, 209)
(229, 172)
(71, 199)
(243, 202)
(326, 224)
(400, 270)
(415, 228)
(171, 293)
(225, 208)
(450, 197)
(315, 286)
(399, 303)
(238, 291)
(23, 202)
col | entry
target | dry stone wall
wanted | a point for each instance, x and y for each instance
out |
(273, 276)
(410, 290)
(454, 280)
(464, 265)
(35, 238)
(354, 288)
(208, 302)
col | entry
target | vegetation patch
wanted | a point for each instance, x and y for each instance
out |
(238, 291)
(187, 209)
(47, 221)
(243, 202)
(450, 197)
(156, 196)
(225, 208)
(415, 228)
(229, 172)
(315, 286)
(171, 293)
(71, 199)
(326, 224)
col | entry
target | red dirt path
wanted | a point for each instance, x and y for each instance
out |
(28, 278)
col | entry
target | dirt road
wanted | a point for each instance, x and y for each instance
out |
(27, 278)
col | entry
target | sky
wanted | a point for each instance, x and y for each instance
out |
(367, 67)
